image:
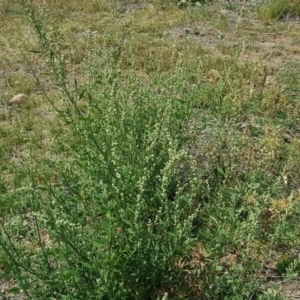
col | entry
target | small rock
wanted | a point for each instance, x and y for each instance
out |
(18, 99)
(287, 138)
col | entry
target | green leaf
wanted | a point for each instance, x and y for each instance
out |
(220, 170)
(68, 275)
(43, 188)
(57, 285)
(127, 222)
(87, 265)
(219, 268)
(98, 243)
(81, 95)
(256, 185)
(131, 231)
(105, 223)
(14, 290)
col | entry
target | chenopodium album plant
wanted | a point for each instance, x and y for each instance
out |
(134, 177)
(122, 216)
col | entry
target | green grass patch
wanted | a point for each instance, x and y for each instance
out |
(279, 9)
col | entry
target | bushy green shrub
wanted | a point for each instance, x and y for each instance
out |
(120, 216)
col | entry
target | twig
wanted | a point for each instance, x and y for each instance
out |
(238, 19)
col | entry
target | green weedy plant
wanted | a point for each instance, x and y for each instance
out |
(277, 9)
(120, 215)
(288, 264)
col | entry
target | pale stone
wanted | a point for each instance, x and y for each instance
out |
(18, 99)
